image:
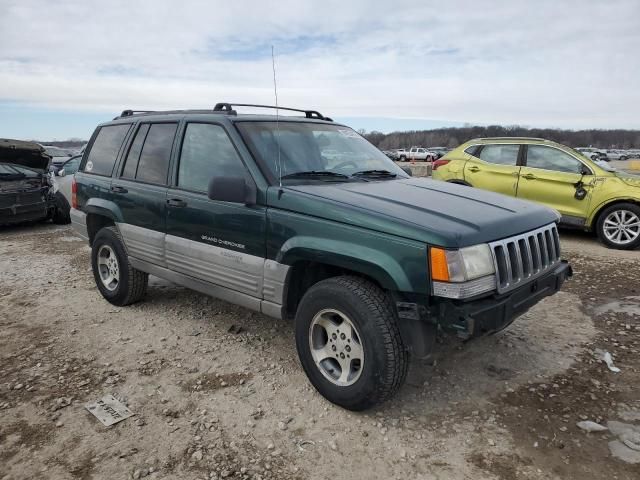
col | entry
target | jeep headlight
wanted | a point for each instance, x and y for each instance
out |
(462, 273)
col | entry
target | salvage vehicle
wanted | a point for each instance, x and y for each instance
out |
(27, 189)
(590, 195)
(369, 262)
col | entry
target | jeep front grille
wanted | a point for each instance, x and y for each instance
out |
(523, 257)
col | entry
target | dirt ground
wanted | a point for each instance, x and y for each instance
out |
(212, 404)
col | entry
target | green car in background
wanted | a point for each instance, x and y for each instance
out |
(589, 195)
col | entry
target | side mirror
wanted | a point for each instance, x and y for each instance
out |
(585, 171)
(61, 172)
(407, 170)
(232, 189)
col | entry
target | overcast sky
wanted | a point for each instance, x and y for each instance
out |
(65, 65)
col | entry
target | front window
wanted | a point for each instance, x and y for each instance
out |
(331, 152)
(548, 158)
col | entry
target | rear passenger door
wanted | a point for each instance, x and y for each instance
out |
(494, 167)
(218, 242)
(140, 190)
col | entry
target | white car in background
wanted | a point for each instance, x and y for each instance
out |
(618, 155)
(417, 153)
(593, 153)
(64, 176)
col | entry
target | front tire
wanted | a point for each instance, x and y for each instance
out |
(118, 282)
(349, 342)
(619, 226)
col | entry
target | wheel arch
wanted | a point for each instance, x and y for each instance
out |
(459, 182)
(597, 212)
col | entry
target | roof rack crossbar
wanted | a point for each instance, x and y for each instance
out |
(228, 107)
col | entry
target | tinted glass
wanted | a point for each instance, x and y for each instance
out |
(500, 154)
(156, 152)
(105, 148)
(206, 152)
(552, 159)
(131, 164)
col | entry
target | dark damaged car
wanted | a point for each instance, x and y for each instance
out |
(28, 191)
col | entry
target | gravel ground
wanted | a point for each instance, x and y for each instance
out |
(213, 404)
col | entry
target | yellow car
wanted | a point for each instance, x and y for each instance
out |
(589, 195)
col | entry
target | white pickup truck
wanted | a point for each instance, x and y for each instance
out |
(417, 153)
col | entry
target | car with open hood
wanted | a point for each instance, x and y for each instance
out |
(258, 210)
(27, 188)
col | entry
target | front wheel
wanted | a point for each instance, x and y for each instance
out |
(619, 226)
(118, 282)
(349, 343)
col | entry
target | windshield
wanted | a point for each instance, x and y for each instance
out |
(330, 152)
(57, 152)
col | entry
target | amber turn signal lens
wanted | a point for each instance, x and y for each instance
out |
(439, 267)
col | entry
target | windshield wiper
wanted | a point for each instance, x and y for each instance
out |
(375, 173)
(315, 174)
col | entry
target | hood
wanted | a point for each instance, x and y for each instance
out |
(433, 212)
(25, 154)
(629, 179)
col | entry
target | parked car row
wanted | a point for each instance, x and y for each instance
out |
(416, 154)
(608, 154)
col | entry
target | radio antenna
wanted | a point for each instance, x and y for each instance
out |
(275, 91)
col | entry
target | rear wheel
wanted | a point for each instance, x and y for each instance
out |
(118, 282)
(619, 226)
(349, 343)
(402, 158)
(61, 214)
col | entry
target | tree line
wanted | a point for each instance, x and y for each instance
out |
(453, 136)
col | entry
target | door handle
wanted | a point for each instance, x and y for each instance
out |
(118, 189)
(474, 169)
(529, 176)
(176, 202)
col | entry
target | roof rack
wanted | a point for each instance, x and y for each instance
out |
(225, 109)
(513, 138)
(228, 107)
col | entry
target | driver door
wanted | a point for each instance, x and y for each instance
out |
(552, 177)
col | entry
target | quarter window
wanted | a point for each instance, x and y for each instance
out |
(548, 158)
(206, 152)
(156, 153)
(105, 148)
(500, 154)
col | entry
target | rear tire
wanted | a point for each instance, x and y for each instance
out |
(61, 215)
(118, 282)
(619, 226)
(402, 158)
(365, 313)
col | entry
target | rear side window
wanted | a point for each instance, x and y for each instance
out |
(206, 151)
(500, 154)
(131, 164)
(153, 161)
(105, 148)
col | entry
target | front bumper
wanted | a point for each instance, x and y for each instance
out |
(487, 315)
(24, 213)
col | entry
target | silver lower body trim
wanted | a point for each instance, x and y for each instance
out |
(79, 223)
(226, 294)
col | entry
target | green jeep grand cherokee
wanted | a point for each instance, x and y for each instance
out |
(300, 217)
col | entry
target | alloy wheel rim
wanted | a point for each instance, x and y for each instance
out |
(108, 268)
(621, 227)
(336, 347)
